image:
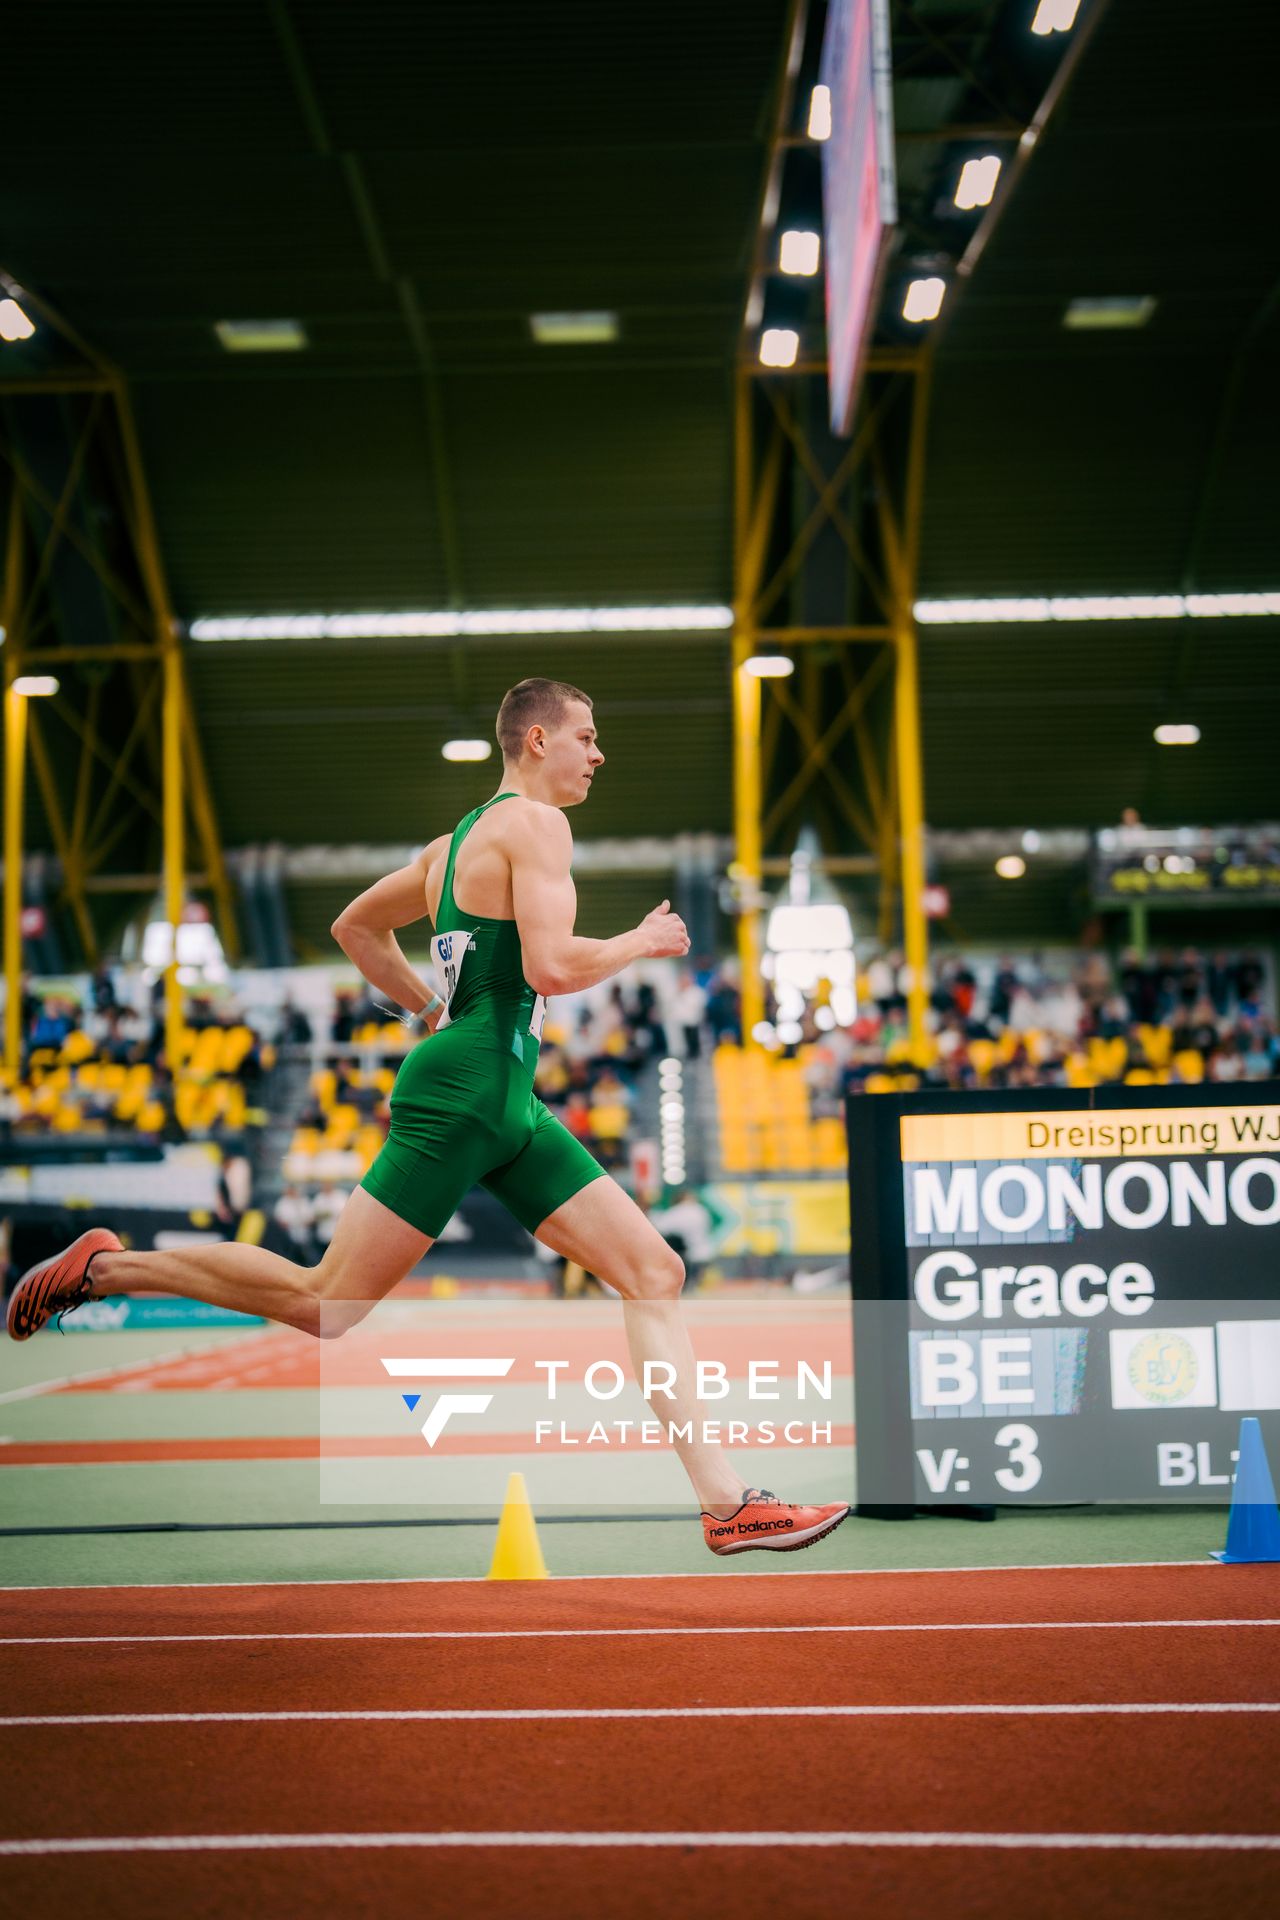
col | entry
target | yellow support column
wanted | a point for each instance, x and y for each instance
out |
(173, 847)
(751, 510)
(906, 725)
(15, 764)
(906, 714)
(746, 828)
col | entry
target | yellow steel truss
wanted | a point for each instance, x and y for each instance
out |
(151, 764)
(873, 789)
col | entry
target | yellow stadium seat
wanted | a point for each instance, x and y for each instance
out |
(982, 1054)
(1157, 1044)
(323, 1085)
(237, 1044)
(1189, 1066)
(1108, 1057)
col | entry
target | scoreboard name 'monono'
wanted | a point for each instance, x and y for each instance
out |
(1137, 1194)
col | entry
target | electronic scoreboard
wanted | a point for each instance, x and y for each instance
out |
(1063, 1296)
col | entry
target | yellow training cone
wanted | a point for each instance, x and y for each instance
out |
(517, 1552)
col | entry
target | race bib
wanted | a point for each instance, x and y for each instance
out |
(537, 1015)
(448, 951)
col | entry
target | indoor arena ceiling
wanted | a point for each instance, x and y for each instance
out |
(411, 181)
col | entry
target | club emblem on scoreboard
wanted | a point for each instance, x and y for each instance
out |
(1163, 1367)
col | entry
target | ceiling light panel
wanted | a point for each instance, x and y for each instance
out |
(261, 336)
(573, 329)
(799, 253)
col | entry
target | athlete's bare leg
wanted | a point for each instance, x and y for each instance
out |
(603, 1229)
(372, 1249)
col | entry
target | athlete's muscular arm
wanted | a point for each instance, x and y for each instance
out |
(365, 932)
(556, 960)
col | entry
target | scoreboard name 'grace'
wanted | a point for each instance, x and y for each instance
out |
(949, 1286)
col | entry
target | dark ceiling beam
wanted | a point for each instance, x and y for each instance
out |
(1230, 399)
(309, 367)
(366, 218)
(963, 63)
(771, 179)
(1010, 176)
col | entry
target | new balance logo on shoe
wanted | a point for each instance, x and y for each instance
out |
(748, 1526)
(772, 1524)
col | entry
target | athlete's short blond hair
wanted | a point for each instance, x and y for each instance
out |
(533, 703)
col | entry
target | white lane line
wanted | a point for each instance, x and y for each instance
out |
(618, 1633)
(122, 1367)
(890, 1837)
(626, 1713)
(732, 1572)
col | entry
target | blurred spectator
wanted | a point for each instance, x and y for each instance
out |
(690, 1012)
(295, 1213)
(103, 991)
(295, 1028)
(327, 1211)
(724, 1011)
(686, 1226)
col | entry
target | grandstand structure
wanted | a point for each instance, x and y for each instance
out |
(275, 572)
(872, 406)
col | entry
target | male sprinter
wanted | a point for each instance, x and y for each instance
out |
(500, 894)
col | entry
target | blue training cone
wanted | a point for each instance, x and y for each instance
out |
(1253, 1528)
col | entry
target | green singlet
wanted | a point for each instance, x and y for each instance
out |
(463, 1109)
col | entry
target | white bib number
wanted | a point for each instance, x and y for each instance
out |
(448, 951)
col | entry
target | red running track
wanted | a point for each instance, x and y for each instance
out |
(1000, 1780)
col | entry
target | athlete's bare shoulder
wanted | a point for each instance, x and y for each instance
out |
(433, 856)
(537, 830)
(537, 816)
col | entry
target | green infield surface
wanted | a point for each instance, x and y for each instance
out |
(254, 1453)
